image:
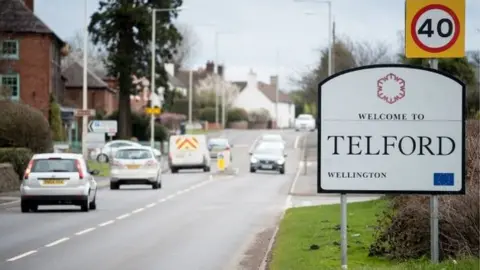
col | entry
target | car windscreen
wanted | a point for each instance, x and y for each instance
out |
(54, 165)
(305, 117)
(133, 154)
(216, 143)
(268, 151)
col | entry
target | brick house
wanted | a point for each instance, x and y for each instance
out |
(30, 56)
(100, 96)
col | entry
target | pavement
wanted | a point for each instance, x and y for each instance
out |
(196, 221)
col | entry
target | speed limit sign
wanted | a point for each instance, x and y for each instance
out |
(435, 29)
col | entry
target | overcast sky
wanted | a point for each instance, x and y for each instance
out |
(254, 32)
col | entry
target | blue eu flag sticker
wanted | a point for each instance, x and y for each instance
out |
(443, 179)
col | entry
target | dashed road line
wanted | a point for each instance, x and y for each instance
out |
(138, 210)
(22, 255)
(150, 205)
(84, 231)
(123, 216)
(106, 223)
(54, 243)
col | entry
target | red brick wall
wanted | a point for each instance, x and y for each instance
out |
(98, 99)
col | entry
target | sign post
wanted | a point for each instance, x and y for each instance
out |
(434, 29)
(392, 134)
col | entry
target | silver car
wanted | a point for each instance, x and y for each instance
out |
(136, 166)
(58, 178)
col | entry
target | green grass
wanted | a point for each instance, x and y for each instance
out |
(104, 168)
(320, 225)
(196, 131)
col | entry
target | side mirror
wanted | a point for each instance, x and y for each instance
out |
(94, 172)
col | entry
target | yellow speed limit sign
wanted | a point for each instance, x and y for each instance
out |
(435, 28)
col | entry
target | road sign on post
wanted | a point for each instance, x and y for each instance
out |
(80, 113)
(434, 29)
(155, 110)
(103, 126)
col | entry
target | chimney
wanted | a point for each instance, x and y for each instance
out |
(30, 4)
(252, 79)
(220, 71)
(274, 81)
(170, 69)
(210, 67)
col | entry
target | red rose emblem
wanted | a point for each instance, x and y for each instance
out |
(391, 88)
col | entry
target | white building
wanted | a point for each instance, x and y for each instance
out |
(256, 95)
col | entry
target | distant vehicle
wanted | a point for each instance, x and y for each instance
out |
(217, 145)
(109, 150)
(270, 144)
(136, 165)
(305, 122)
(271, 138)
(188, 152)
(58, 178)
(270, 158)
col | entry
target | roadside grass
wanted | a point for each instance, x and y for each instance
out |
(320, 225)
(104, 168)
(196, 131)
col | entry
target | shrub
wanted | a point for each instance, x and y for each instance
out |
(172, 120)
(141, 127)
(18, 157)
(259, 116)
(403, 232)
(237, 114)
(207, 114)
(24, 126)
(161, 133)
(55, 120)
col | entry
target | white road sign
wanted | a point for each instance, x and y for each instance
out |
(391, 129)
(102, 126)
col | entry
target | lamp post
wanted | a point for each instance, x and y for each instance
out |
(84, 90)
(153, 77)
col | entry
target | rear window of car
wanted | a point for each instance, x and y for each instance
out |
(54, 165)
(218, 143)
(133, 154)
(305, 117)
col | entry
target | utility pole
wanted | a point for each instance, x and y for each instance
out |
(190, 96)
(215, 80)
(85, 84)
(277, 88)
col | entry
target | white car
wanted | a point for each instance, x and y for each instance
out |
(58, 178)
(305, 122)
(136, 165)
(109, 150)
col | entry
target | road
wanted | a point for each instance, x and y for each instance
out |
(196, 221)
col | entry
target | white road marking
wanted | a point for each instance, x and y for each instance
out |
(241, 146)
(162, 200)
(138, 210)
(123, 216)
(170, 197)
(22, 255)
(54, 243)
(150, 205)
(297, 139)
(106, 223)
(85, 231)
(12, 202)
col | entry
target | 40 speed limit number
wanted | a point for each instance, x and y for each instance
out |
(435, 28)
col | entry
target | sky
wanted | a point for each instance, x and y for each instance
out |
(268, 36)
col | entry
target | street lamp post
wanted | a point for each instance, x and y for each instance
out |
(153, 77)
(84, 90)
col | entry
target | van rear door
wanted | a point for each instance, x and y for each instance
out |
(186, 150)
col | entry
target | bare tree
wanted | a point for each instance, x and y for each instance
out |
(97, 55)
(369, 53)
(188, 47)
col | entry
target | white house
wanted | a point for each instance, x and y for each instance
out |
(256, 95)
(173, 81)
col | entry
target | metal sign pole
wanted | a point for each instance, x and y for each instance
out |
(434, 231)
(343, 229)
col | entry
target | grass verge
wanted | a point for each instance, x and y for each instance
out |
(320, 225)
(104, 168)
(196, 131)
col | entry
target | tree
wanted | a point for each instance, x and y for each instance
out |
(206, 90)
(187, 48)
(124, 26)
(96, 54)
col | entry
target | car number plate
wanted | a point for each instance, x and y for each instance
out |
(53, 182)
(267, 166)
(133, 167)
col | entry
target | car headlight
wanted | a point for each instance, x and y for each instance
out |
(280, 161)
(253, 160)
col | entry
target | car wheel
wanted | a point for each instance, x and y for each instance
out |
(252, 170)
(155, 185)
(282, 171)
(102, 158)
(93, 204)
(114, 185)
(173, 170)
(25, 207)
(34, 207)
(85, 206)
(206, 169)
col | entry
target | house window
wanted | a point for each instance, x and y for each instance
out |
(9, 49)
(11, 81)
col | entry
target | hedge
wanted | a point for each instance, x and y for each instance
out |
(18, 157)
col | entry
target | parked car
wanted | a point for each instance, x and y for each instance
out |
(217, 145)
(135, 165)
(305, 122)
(270, 158)
(58, 178)
(109, 150)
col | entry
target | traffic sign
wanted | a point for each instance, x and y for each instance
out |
(434, 29)
(153, 110)
(80, 113)
(103, 126)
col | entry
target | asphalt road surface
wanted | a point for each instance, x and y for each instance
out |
(196, 221)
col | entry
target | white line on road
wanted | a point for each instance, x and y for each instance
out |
(8, 203)
(106, 223)
(150, 205)
(22, 255)
(241, 146)
(138, 210)
(162, 200)
(54, 243)
(297, 139)
(123, 216)
(85, 231)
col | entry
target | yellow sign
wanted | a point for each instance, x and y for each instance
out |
(153, 110)
(434, 28)
(221, 163)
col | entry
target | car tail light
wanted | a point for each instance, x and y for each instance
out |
(151, 163)
(227, 148)
(79, 169)
(27, 171)
(116, 163)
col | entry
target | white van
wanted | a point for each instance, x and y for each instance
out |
(188, 152)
